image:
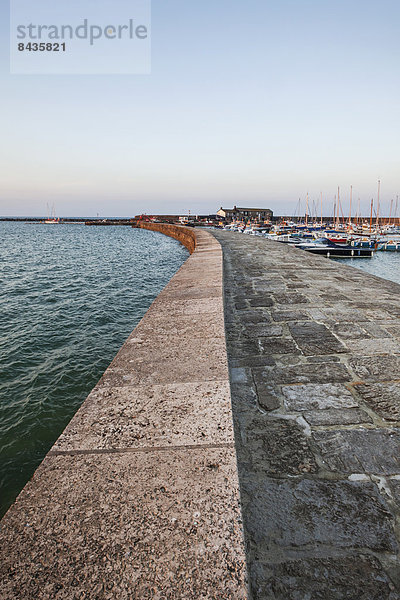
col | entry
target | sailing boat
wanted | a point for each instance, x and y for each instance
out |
(52, 216)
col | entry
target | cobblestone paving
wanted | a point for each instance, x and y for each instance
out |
(314, 357)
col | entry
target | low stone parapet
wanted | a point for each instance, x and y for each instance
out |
(139, 498)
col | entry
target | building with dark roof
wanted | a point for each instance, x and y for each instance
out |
(245, 214)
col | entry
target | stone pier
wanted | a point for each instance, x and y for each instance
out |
(143, 495)
(314, 357)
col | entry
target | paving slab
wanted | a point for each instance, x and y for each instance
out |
(320, 372)
(299, 398)
(374, 451)
(334, 514)
(276, 446)
(126, 526)
(376, 368)
(350, 416)
(315, 338)
(172, 358)
(383, 398)
(182, 414)
(357, 577)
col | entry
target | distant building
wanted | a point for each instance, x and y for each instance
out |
(245, 214)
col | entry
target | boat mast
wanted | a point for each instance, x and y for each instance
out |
(338, 204)
(321, 209)
(377, 213)
(370, 220)
(334, 211)
(307, 210)
(351, 197)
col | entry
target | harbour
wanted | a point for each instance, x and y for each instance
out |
(199, 301)
(310, 412)
(53, 388)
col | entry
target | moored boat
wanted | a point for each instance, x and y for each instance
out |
(325, 247)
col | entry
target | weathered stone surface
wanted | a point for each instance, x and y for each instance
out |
(303, 373)
(297, 286)
(393, 329)
(242, 345)
(291, 298)
(177, 291)
(290, 315)
(395, 488)
(376, 330)
(278, 346)
(269, 397)
(376, 368)
(244, 398)
(374, 451)
(325, 358)
(350, 416)
(255, 316)
(264, 330)
(171, 359)
(253, 360)
(276, 446)
(379, 315)
(181, 325)
(126, 526)
(329, 298)
(315, 338)
(321, 487)
(392, 309)
(355, 577)
(289, 360)
(309, 397)
(260, 300)
(151, 416)
(241, 304)
(171, 307)
(376, 346)
(307, 513)
(349, 331)
(350, 315)
(270, 285)
(241, 375)
(383, 398)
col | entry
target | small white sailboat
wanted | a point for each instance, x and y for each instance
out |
(52, 219)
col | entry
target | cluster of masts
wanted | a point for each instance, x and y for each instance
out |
(340, 220)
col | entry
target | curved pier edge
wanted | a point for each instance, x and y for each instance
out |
(184, 235)
(139, 497)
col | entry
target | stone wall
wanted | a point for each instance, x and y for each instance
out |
(139, 497)
(185, 235)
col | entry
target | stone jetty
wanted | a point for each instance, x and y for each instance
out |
(314, 358)
(278, 479)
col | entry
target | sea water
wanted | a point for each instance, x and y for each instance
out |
(383, 264)
(69, 297)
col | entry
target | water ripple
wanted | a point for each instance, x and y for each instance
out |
(69, 297)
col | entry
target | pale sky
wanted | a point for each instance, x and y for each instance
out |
(253, 103)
